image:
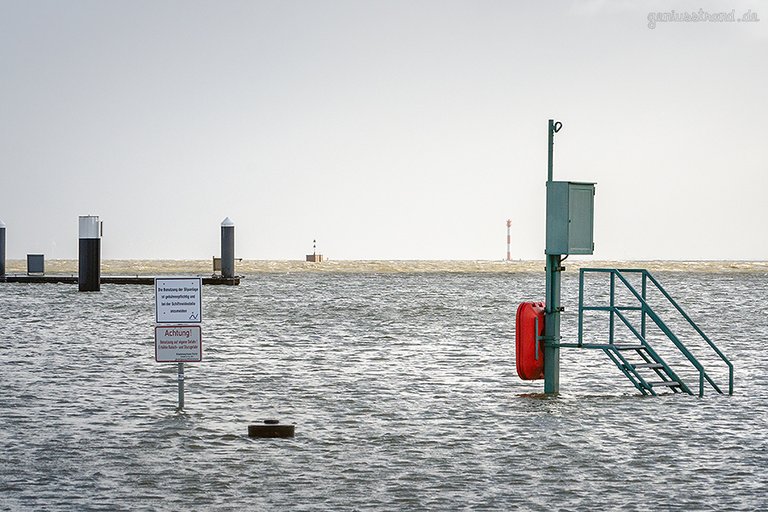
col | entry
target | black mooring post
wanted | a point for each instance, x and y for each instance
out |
(2, 248)
(89, 268)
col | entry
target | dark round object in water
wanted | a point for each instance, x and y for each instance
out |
(271, 428)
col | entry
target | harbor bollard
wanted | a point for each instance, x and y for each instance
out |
(227, 248)
(2, 248)
(271, 428)
(89, 268)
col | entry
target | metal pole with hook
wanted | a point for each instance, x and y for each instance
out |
(552, 305)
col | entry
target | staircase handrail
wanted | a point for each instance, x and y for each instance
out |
(647, 309)
(671, 335)
(696, 328)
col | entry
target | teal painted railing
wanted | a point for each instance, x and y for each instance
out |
(650, 357)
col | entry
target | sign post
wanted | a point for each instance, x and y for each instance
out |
(178, 300)
(178, 344)
(178, 315)
(181, 386)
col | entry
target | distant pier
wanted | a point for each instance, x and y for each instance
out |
(73, 279)
(89, 278)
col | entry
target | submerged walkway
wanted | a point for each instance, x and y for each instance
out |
(72, 279)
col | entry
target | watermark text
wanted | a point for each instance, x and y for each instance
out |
(700, 16)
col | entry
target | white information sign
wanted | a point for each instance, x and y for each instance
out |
(178, 344)
(178, 300)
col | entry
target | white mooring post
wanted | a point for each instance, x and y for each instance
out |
(227, 248)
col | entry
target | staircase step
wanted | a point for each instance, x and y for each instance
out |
(617, 346)
(668, 383)
(652, 366)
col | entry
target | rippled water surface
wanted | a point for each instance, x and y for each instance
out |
(403, 389)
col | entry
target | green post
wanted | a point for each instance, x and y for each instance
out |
(552, 305)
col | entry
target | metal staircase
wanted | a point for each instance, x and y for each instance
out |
(651, 366)
(637, 359)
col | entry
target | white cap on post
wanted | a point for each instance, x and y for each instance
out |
(227, 223)
(89, 226)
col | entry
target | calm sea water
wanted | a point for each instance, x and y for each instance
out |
(401, 382)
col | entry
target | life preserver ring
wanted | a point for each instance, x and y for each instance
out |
(530, 366)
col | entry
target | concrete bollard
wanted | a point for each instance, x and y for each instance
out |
(271, 428)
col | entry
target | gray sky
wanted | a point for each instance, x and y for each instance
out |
(385, 129)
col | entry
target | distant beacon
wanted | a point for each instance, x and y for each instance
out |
(314, 257)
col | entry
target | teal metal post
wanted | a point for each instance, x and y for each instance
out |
(642, 315)
(552, 304)
(613, 305)
(552, 327)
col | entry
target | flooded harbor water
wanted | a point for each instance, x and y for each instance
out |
(401, 382)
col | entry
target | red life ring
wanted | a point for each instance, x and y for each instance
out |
(529, 366)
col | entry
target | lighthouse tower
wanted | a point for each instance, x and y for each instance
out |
(509, 240)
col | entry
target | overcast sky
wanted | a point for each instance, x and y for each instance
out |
(383, 129)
